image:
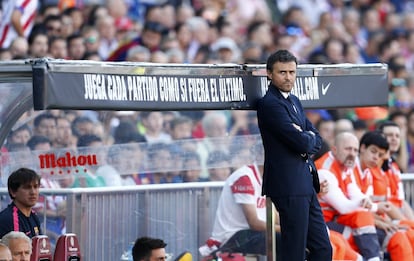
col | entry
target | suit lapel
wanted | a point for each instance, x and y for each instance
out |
(295, 116)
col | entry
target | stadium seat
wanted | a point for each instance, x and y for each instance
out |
(67, 248)
(41, 250)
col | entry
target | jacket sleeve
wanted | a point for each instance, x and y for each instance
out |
(274, 117)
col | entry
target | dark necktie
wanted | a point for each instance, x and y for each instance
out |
(291, 102)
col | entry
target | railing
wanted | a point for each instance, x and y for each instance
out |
(107, 220)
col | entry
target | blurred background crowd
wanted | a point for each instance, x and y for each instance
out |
(212, 32)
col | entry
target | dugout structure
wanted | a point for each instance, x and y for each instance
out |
(44, 84)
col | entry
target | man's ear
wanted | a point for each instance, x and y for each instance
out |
(362, 148)
(12, 194)
(334, 149)
(269, 75)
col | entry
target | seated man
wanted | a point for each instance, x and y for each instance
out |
(241, 213)
(345, 205)
(240, 224)
(146, 248)
(393, 133)
(23, 187)
(5, 254)
(19, 244)
(391, 225)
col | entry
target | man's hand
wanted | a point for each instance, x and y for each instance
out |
(386, 226)
(366, 203)
(324, 188)
(384, 207)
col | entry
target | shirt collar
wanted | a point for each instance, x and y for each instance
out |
(285, 94)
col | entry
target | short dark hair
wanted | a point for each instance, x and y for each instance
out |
(44, 116)
(283, 56)
(396, 114)
(143, 247)
(376, 138)
(21, 177)
(36, 140)
(388, 123)
(87, 139)
(19, 129)
(180, 120)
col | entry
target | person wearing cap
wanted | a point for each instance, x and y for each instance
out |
(150, 38)
(227, 50)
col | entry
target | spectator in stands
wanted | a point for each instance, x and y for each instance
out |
(239, 123)
(38, 44)
(92, 39)
(199, 29)
(20, 135)
(90, 144)
(16, 20)
(39, 143)
(218, 164)
(45, 125)
(19, 244)
(359, 127)
(5, 254)
(215, 125)
(153, 122)
(162, 164)
(343, 125)
(77, 18)
(181, 128)
(127, 132)
(20, 156)
(5, 54)
(326, 128)
(76, 46)
(151, 249)
(128, 160)
(64, 136)
(58, 48)
(53, 25)
(23, 187)
(107, 34)
(260, 33)
(67, 25)
(226, 50)
(150, 38)
(19, 48)
(138, 53)
(82, 125)
(191, 166)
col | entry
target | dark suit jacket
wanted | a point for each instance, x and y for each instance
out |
(286, 167)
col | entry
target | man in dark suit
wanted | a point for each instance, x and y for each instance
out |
(290, 178)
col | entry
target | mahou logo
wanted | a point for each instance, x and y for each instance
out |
(48, 161)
